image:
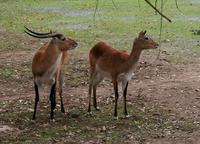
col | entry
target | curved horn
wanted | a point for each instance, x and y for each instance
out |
(37, 36)
(58, 35)
(36, 33)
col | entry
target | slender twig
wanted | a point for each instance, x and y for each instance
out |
(161, 27)
(97, 4)
(158, 11)
(176, 1)
(114, 4)
(139, 3)
(96, 8)
(156, 5)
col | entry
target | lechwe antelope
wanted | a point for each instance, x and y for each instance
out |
(106, 61)
(47, 65)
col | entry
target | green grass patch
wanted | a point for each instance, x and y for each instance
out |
(78, 126)
(117, 26)
(7, 73)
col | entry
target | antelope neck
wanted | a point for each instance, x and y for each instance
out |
(134, 55)
(53, 53)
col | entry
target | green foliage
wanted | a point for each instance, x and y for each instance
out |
(75, 18)
(7, 73)
(118, 26)
(78, 126)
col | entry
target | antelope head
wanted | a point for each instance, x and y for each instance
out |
(146, 42)
(58, 39)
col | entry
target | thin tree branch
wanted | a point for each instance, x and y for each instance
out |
(96, 8)
(139, 3)
(158, 11)
(161, 26)
(176, 1)
(97, 4)
(156, 5)
(114, 4)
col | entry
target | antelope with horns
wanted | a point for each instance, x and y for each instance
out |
(106, 61)
(48, 65)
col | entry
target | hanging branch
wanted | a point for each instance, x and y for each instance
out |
(139, 3)
(176, 1)
(156, 5)
(97, 3)
(114, 4)
(96, 7)
(158, 11)
(161, 26)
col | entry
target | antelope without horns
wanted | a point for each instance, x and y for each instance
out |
(48, 65)
(106, 61)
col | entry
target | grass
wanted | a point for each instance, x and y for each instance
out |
(82, 127)
(117, 26)
(6, 73)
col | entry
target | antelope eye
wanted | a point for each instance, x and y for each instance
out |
(63, 39)
(146, 38)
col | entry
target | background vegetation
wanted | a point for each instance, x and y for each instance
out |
(117, 25)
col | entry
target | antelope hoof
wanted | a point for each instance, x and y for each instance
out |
(52, 120)
(54, 106)
(62, 110)
(97, 109)
(115, 118)
(33, 121)
(89, 113)
(127, 116)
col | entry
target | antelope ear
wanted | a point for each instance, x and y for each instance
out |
(142, 33)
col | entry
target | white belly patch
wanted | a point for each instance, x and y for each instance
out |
(49, 76)
(121, 77)
(103, 73)
(125, 77)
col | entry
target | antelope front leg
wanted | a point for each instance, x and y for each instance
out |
(61, 101)
(61, 79)
(115, 84)
(36, 99)
(52, 99)
(89, 97)
(125, 86)
(95, 99)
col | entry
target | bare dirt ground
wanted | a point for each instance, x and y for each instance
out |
(161, 86)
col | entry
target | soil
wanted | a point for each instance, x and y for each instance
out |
(161, 84)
